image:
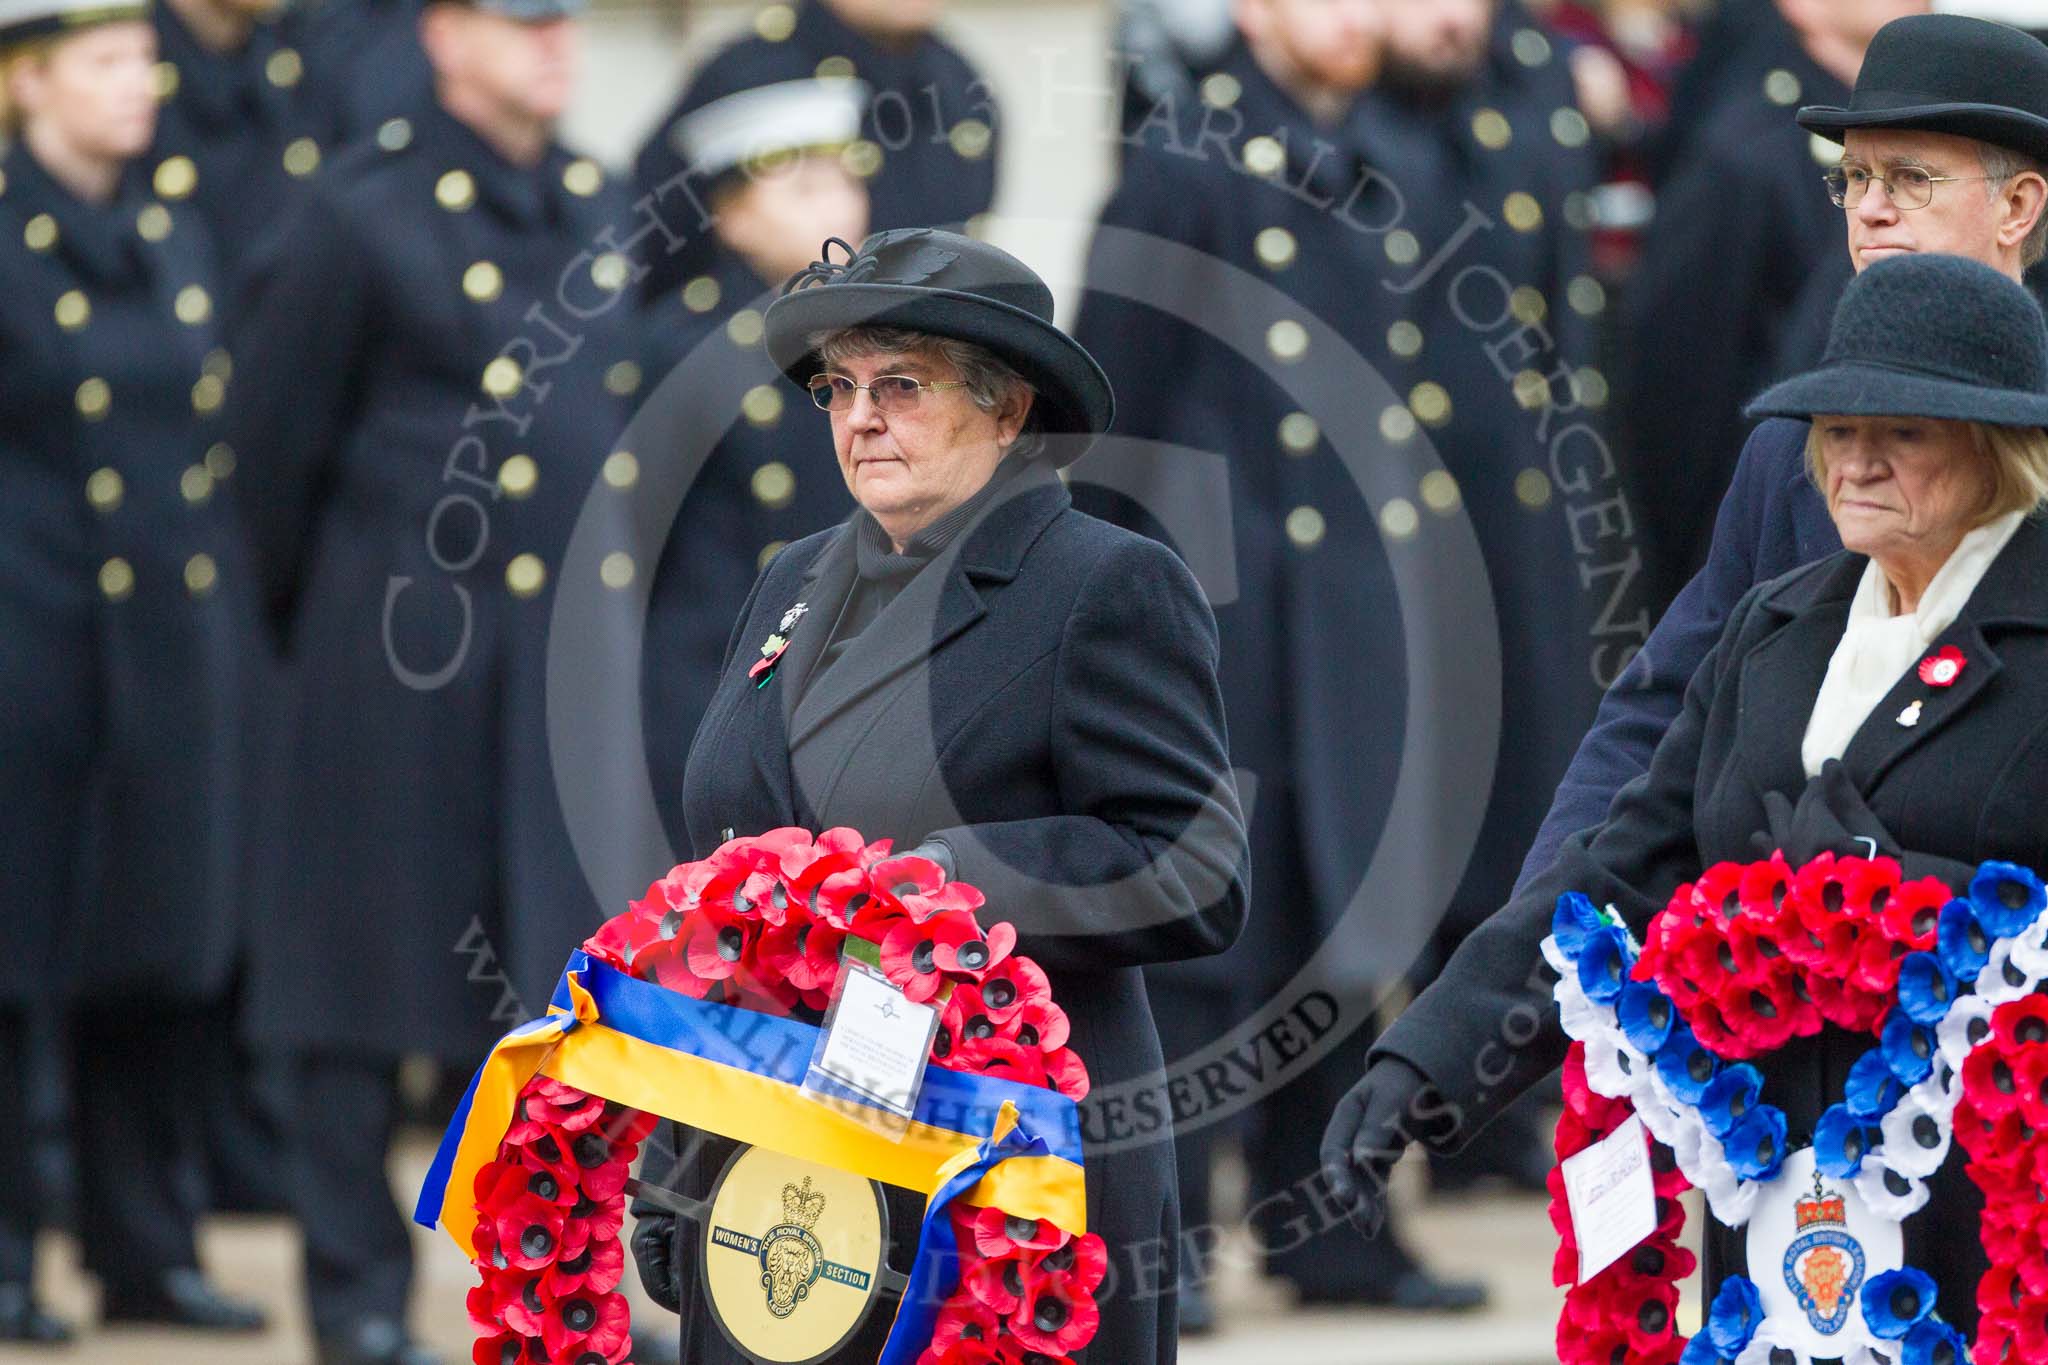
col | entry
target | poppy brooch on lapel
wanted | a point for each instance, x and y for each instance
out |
(772, 648)
(1943, 668)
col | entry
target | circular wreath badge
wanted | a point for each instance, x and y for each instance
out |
(1739, 963)
(759, 925)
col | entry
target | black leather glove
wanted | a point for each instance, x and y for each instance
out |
(1373, 1125)
(654, 1254)
(1831, 817)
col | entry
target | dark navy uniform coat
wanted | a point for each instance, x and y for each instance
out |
(929, 136)
(118, 606)
(435, 372)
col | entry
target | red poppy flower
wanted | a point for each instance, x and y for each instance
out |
(1991, 1083)
(1057, 1316)
(1651, 1319)
(628, 1126)
(1763, 887)
(1066, 1073)
(2021, 1022)
(998, 1234)
(583, 1325)
(1914, 912)
(1083, 1259)
(1564, 1266)
(529, 1229)
(2030, 1075)
(1718, 892)
(964, 1319)
(998, 1057)
(720, 939)
(1045, 1027)
(486, 1300)
(596, 1269)
(564, 1106)
(803, 951)
(1999, 1291)
(498, 1348)
(2030, 1330)
(1844, 1005)
(1868, 885)
(1997, 1338)
(1598, 1113)
(1941, 669)
(964, 1353)
(999, 1285)
(976, 957)
(1013, 984)
(1757, 944)
(1709, 1021)
(1579, 1347)
(1707, 962)
(1877, 964)
(910, 952)
(619, 940)
(893, 879)
(601, 1164)
(1825, 941)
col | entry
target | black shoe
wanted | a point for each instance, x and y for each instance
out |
(22, 1320)
(1411, 1291)
(375, 1341)
(182, 1298)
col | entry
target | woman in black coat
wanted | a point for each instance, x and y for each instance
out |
(1809, 728)
(974, 668)
(117, 653)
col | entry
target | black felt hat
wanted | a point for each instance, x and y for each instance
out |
(947, 285)
(1948, 73)
(1927, 336)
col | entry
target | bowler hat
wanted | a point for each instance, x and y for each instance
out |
(1948, 73)
(946, 285)
(1923, 335)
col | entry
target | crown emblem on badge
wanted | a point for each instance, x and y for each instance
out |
(802, 1207)
(1819, 1209)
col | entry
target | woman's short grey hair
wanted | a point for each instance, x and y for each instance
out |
(2018, 458)
(2001, 164)
(990, 379)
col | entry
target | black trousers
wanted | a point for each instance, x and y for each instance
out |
(138, 1130)
(17, 1164)
(358, 1246)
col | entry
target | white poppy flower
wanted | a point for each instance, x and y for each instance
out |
(2029, 953)
(1559, 963)
(1995, 984)
(1613, 1067)
(1953, 1033)
(1771, 1337)
(1916, 1134)
(1879, 1186)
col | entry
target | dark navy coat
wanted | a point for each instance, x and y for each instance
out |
(1742, 223)
(1043, 699)
(1965, 784)
(930, 133)
(770, 479)
(435, 373)
(118, 599)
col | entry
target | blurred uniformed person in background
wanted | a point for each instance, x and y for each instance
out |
(434, 369)
(774, 177)
(1742, 224)
(119, 632)
(363, 63)
(929, 132)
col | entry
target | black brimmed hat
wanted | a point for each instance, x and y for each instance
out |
(1927, 336)
(24, 20)
(1948, 73)
(946, 285)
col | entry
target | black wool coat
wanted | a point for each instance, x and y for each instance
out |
(1968, 782)
(1043, 698)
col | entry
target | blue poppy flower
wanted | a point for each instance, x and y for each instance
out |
(2007, 898)
(1729, 1097)
(1700, 1351)
(1646, 1016)
(1604, 961)
(1574, 922)
(1840, 1140)
(1686, 1066)
(1926, 988)
(1934, 1342)
(1897, 1301)
(1756, 1144)
(1872, 1089)
(1732, 1319)
(1908, 1048)
(1962, 940)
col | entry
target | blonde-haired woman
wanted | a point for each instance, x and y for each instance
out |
(116, 657)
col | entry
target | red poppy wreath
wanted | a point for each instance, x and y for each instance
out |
(760, 925)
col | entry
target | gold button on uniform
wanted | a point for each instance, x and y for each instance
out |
(1569, 127)
(1532, 390)
(1823, 152)
(1440, 492)
(768, 552)
(701, 294)
(1306, 528)
(219, 363)
(193, 305)
(1221, 90)
(970, 139)
(394, 134)
(175, 177)
(1404, 339)
(622, 379)
(1397, 424)
(1264, 156)
(483, 281)
(153, 223)
(220, 461)
(1532, 488)
(164, 79)
(1299, 433)
(455, 191)
(201, 573)
(518, 475)
(195, 485)
(1403, 247)
(774, 484)
(621, 470)
(1275, 247)
(582, 177)
(1781, 87)
(1399, 520)
(1522, 211)
(775, 22)
(1579, 211)
(3, 182)
(39, 233)
(1430, 403)
(1492, 130)
(208, 393)
(525, 575)
(744, 327)
(104, 488)
(1287, 339)
(835, 69)
(72, 310)
(616, 570)
(301, 157)
(862, 158)
(502, 377)
(762, 405)
(610, 272)
(1528, 305)
(1586, 295)
(117, 579)
(93, 398)
(1592, 386)
(284, 68)
(1531, 48)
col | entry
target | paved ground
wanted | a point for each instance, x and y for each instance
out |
(1505, 1240)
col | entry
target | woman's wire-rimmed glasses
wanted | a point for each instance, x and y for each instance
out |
(889, 392)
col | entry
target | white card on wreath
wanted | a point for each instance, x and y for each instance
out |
(1612, 1196)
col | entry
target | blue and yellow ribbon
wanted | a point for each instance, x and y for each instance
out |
(738, 1074)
